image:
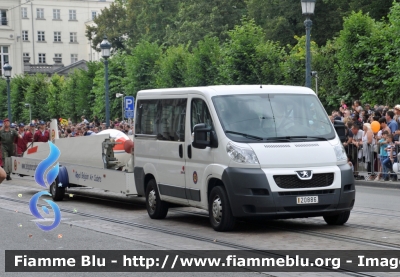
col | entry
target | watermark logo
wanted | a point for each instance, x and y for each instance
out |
(45, 174)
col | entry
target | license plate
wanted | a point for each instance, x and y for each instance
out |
(307, 200)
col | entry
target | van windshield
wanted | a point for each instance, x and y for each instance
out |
(273, 117)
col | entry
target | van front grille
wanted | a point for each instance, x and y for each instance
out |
(293, 182)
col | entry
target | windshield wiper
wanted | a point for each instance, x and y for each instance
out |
(308, 137)
(244, 135)
(288, 138)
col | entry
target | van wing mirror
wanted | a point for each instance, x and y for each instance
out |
(204, 136)
(340, 130)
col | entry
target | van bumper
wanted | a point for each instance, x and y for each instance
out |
(250, 195)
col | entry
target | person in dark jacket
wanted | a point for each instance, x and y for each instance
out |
(7, 139)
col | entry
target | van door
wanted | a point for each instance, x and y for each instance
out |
(197, 160)
(170, 121)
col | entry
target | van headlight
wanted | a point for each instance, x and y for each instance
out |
(340, 153)
(241, 155)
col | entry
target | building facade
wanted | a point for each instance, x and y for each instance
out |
(47, 35)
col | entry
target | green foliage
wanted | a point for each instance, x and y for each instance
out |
(140, 67)
(36, 94)
(239, 54)
(3, 98)
(199, 18)
(117, 76)
(172, 67)
(203, 64)
(293, 65)
(357, 29)
(113, 22)
(19, 85)
(56, 86)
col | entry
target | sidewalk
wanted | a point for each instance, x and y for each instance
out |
(386, 184)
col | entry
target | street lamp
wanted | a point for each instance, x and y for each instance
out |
(27, 105)
(315, 75)
(7, 73)
(308, 7)
(105, 53)
(118, 95)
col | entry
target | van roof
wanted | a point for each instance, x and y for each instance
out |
(228, 89)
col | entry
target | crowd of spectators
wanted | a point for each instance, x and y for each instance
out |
(375, 150)
(38, 131)
(86, 128)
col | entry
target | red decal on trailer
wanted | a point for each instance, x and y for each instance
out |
(32, 150)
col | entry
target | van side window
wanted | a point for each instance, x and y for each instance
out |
(200, 113)
(146, 117)
(172, 120)
(164, 119)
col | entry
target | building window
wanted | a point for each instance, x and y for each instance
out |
(24, 12)
(25, 36)
(94, 14)
(72, 37)
(3, 17)
(72, 14)
(57, 55)
(74, 58)
(41, 36)
(3, 57)
(40, 13)
(42, 58)
(56, 14)
(25, 54)
(57, 36)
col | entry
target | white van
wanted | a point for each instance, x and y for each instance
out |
(240, 151)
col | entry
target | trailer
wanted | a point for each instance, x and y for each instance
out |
(87, 161)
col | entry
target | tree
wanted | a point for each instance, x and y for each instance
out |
(140, 67)
(37, 95)
(203, 64)
(56, 86)
(3, 98)
(357, 30)
(199, 18)
(239, 54)
(172, 67)
(19, 86)
(113, 22)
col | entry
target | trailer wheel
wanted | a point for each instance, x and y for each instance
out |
(338, 219)
(57, 193)
(219, 210)
(156, 208)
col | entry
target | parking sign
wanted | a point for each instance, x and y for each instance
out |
(129, 102)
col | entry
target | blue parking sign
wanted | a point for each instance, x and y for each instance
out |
(129, 104)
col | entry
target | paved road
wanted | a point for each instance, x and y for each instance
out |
(93, 219)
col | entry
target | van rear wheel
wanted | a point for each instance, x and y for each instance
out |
(57, 193)
(338, 219)
(219, 210)
(156, 208)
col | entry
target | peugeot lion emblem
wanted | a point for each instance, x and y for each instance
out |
(304, 174)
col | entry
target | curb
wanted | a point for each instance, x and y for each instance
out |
(386, 184)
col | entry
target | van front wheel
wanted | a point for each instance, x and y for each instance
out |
(156, 208)
(338, 219)
(219, 210)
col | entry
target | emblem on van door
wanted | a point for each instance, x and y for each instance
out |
(304, 174)
(195, 177)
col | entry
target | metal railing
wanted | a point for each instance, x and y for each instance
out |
(370, 166)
